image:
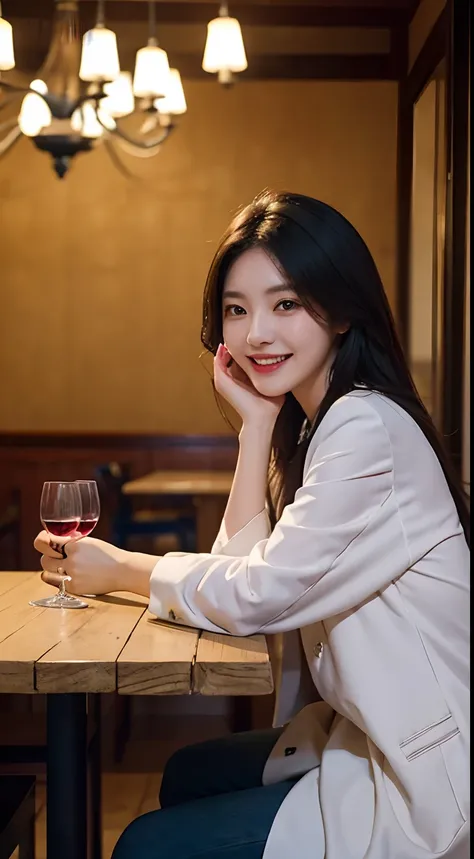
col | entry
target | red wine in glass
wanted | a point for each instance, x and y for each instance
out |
(90, 506)
(61, 527)
(60, 513)
(86, 526)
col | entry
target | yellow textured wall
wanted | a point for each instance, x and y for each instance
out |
(101, 277)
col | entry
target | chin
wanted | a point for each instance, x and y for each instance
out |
(270, 388)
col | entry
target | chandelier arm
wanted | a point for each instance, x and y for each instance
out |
(139, 144)
(6, 102)
(15, 88)
(9, 140)
(18, 90)
(117, 161)
(144, 144)
(8, 123)
(137, 152)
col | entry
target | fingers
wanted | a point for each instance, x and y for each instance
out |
(225, 363)
(223, 356)
(44, 545)
(52, 564)
(52, 579)
(59, 543)
(238, 375)
(55, 547)
(55, 581)
(221, 367)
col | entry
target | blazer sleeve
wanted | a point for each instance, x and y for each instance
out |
(336, 545)
(243, 541)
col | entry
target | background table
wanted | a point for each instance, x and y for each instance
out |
(208, 489)
(114, 645)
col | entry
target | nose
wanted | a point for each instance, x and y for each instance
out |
(261, 330)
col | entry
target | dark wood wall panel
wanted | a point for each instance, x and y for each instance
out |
(26, 461)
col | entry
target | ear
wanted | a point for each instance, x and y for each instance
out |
(343, 328)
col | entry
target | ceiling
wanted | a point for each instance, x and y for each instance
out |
(322, 39)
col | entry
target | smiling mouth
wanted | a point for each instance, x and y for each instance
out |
(268, 365)
(270, 362)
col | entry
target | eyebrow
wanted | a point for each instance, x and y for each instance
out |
(279, 287)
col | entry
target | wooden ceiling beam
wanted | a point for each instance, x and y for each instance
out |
(363, 14)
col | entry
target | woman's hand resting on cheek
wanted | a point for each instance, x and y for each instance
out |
(235, 386)
(93, 566)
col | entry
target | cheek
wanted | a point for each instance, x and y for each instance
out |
(234, 337)
(315, 339)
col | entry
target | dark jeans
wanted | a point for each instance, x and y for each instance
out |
(213, 805)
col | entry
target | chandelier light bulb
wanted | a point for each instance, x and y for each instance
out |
(99, 59)
(85, 121)
(224, 46)
(35, 114)
(7, 54)
(152, 72)
(174, 102)
(119, 100)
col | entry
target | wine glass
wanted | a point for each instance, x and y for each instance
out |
(60, 513)
(90, 506)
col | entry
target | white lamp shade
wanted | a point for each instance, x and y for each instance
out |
(174, 101)
(84, 121)
(7, 55)
(224, 46)
(99, 60)
(119, 100)
(152, 73)
(39, 86)
(34, 113)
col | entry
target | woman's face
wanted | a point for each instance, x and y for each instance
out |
(271, 336)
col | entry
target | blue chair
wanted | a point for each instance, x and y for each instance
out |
(127, 522)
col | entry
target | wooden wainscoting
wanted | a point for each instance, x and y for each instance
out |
(27, 460)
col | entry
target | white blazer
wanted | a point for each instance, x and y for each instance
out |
(367, 576)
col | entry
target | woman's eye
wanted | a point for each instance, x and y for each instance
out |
(234, 310)
(288, 304)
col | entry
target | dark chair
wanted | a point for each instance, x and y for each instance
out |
(24, 759)
(17, 816)
(173, 520)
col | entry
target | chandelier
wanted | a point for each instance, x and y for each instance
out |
(80, 95)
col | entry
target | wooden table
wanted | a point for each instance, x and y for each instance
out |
(114, 645)
(208, 489)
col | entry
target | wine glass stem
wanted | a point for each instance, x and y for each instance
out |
(62, 587)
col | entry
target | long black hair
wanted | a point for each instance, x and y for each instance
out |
(328, 265)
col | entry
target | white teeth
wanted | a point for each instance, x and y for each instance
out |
(264, 361)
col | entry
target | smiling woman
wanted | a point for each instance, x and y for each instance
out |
(271, 334)
(362, 565)
(306, 286)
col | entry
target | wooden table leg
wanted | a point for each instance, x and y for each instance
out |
(66, 777)
(209, 512)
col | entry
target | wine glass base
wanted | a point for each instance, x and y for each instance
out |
(59, 601)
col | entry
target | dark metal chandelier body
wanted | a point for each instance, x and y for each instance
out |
(77, 98)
